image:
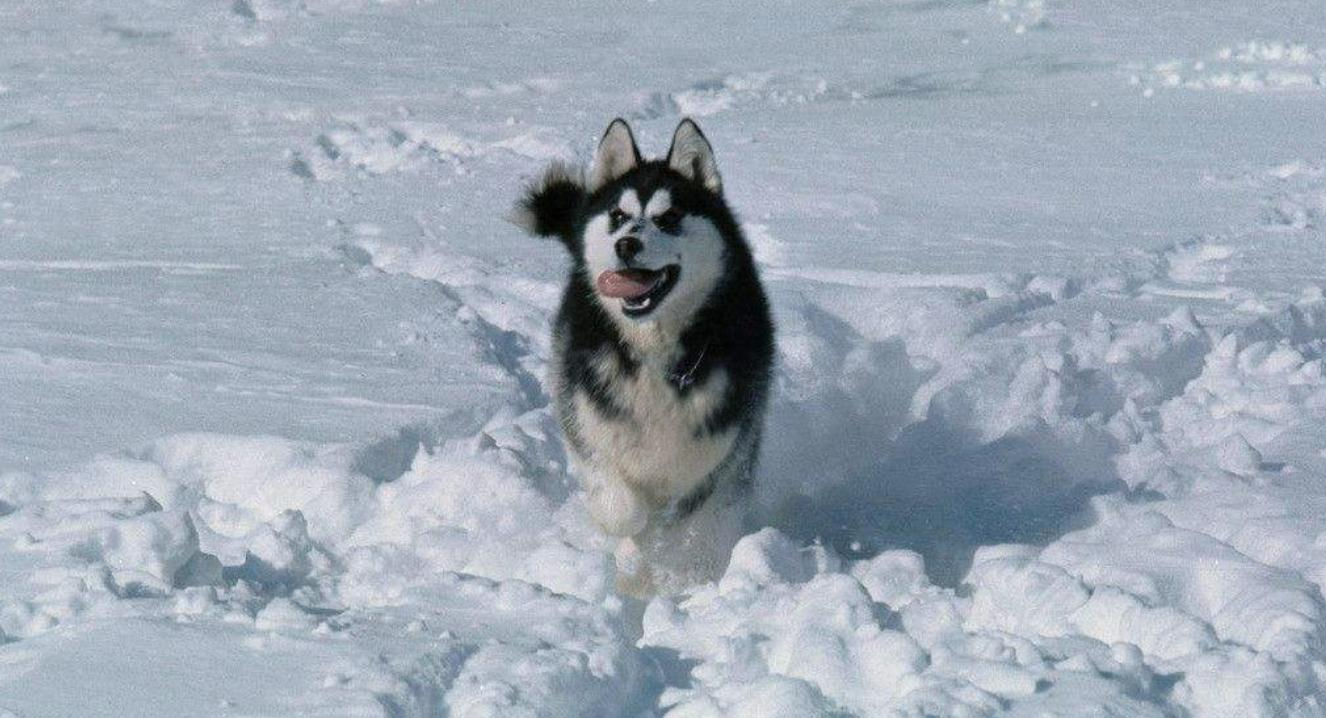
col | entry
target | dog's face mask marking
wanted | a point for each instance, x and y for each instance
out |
(651, 253)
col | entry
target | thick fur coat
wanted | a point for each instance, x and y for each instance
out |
(663, 348)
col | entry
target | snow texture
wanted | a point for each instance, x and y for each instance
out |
(1049, 428)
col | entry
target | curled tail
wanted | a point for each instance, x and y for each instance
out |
(551, 206)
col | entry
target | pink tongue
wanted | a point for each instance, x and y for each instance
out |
(627, 283)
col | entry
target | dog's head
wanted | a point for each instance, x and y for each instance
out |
(651, 238)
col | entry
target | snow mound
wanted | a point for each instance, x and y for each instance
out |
(1253, 66)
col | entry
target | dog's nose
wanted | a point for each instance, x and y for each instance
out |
(628, 247)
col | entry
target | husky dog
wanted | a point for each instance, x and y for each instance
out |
(662, 352)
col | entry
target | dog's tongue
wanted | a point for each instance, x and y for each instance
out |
(627, 283)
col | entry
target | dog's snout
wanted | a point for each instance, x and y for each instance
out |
(628, 247)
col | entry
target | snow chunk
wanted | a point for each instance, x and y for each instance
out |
(1237, 456)
(766, 557)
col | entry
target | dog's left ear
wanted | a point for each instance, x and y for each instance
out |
(693, 158)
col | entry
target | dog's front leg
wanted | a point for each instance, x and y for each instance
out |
(617, 508)
(620, 511)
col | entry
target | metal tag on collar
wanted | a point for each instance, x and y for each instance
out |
(685, 379)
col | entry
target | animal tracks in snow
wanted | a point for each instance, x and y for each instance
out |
(385, 147)
(1296, 199)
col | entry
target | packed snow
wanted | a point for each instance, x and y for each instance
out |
(1049, 430)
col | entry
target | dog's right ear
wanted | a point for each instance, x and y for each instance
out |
(616, 155)
(552, 204)
(693, 158)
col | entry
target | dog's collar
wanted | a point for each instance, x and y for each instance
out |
(683, 374)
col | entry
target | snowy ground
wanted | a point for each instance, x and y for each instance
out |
(1050, 427)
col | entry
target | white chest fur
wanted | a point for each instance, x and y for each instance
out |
(657, 445)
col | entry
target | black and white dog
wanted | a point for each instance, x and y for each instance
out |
(662, 353)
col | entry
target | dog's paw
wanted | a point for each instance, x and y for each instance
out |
(617, 509)
(633, 575)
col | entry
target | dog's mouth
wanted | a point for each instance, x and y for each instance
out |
(641, 290)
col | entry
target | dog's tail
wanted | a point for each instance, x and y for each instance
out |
(550, 206)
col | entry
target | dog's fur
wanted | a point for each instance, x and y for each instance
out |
(662, 406)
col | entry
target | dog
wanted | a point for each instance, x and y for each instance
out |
(662, 353)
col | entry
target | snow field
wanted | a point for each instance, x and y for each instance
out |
(1142, 608)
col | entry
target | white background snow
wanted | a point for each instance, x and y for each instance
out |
(1049, 435)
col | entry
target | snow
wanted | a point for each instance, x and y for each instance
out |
(1047, 436)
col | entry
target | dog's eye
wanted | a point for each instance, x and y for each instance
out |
(669, 221)
(617, 218)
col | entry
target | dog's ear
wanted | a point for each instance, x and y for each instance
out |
(552, 204)
(616, 155)
(693, 158)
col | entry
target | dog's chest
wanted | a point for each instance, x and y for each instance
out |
(658, 441)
